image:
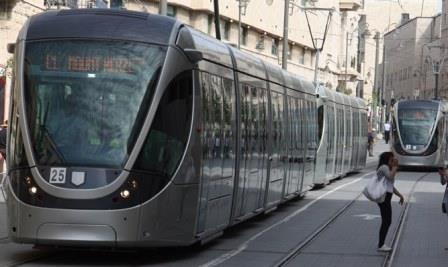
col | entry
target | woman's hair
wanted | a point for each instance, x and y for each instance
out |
(384, 158)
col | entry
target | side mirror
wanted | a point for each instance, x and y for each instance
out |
(11, 48)
(194, 55)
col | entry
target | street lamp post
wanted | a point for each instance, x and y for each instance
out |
(437, 65)
(285, 35)
(163, 6)
(379, 94)
(375, 81)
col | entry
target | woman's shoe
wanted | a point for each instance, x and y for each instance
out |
(384, 248)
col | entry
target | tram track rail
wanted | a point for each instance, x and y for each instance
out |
(388, 259)
(296, 251)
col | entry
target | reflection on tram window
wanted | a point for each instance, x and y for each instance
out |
(169, 131)
(416, 126)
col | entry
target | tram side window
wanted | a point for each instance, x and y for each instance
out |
(228, 115)
(217, 137)
(169, 131)
(16, 147)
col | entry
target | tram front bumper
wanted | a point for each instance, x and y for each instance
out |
(68, 234)
(433, 160)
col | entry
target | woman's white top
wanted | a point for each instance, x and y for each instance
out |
(383, 171)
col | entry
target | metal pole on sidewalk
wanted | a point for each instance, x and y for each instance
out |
(239, 24)
(217, 22)
(316, 68)
(163, 6)
(383, 85)
(285, 35)
(346, 62)
(375, 81)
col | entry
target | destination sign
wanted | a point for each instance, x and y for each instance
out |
(76, 63)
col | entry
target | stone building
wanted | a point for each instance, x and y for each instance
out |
(410, 50)
(381, 17)
(346, 63)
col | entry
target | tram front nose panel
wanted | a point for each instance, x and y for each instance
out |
(76, 233)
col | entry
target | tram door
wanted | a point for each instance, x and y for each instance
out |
(331, 142)
(310, 146)
(348, 138)
(278, 144)
(218, 151)
(355, 139)
(253, 150)
(339, 140)
(296, 154)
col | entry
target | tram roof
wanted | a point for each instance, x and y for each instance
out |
(101, 24)
(340, 98)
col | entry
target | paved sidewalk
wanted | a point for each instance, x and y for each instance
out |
(379, 147)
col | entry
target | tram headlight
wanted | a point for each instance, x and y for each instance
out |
(125, 193)
(32, 190)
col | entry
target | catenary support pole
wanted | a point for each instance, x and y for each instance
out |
(163, 6)
(285, 35)
(217, 23)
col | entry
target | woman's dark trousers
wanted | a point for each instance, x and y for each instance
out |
(386, 218)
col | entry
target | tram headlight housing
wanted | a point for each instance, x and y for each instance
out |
(125, 193)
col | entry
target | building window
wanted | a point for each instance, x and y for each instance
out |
(171, 11)
(301, 55)
(227, 25)
(274, 48)
(116, 3)
(260, 42)
(5, 12)
(244, 37)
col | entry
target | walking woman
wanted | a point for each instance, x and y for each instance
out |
(387, 167)
(444, 181)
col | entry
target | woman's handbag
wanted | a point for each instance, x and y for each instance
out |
(375, 189)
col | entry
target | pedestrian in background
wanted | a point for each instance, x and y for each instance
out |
(370, 141)
(386, 132)
(3, 135)
(387, 167)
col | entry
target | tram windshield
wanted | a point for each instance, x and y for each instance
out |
(85, 100)
(415, 126)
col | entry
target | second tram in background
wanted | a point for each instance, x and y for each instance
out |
(419, 133)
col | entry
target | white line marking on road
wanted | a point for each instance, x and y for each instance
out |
(367, 216)
(243, 246)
